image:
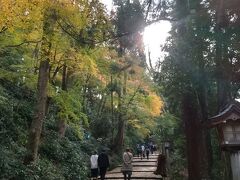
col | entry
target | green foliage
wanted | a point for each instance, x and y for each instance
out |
(58, 158)
(91, 104)
(69, 155)
(101, 127)
(169, 129)
(166, 126)
(9, 57)
(218, 157)
(130, 21)
(198, 66)
(70, 109)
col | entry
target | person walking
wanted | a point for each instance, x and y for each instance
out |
(151, 147)
(138, 150)
(143, 151)
(161, 166)
(94, 165)
(127, 164)
(147, 152)
(103, 164)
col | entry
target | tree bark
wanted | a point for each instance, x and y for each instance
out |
(222, 71)
(193, 136)
(206, 147)
(112, 112)
(36, 126)
(119, 140)
(43, 77)
(62, 123)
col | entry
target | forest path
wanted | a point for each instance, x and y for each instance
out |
(142, 169)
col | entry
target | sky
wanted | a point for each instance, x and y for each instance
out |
(108, 3)
(154, 36)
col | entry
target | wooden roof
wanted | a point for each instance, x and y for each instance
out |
(231, 112)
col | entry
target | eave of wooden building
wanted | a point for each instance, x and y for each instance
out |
(231, 113)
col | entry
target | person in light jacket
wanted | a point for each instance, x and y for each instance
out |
(127, 164)
(94, 165)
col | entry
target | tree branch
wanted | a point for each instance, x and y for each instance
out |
(148, 8)
(22, 43)
(148, 23)
(134, 94)
(150, 60)
(55, 72)
(4, 28)
(113, 37)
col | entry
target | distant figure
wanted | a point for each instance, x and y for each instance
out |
(154, 148)
(151, 147)
(147, 152)
(139, 150)
(94, 165)
(143, 151)
(161, 166)
(127, 164)
(103, 164)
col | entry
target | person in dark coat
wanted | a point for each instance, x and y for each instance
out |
(147, 152)
(103, 164)
(161, 166)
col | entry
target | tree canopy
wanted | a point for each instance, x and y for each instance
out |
(64, 88)
(74, 79)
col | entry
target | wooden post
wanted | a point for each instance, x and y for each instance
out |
(235, 163)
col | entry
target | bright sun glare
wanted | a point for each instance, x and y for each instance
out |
(154, 35)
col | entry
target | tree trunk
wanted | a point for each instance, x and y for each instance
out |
(43, 77)
(112, 112)
(62, 123)
(206, 147)
(62, 126)
(119, 140)
(222, 70)
(64, 77)
(36, 126)
(193, 136)
(223, 84)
